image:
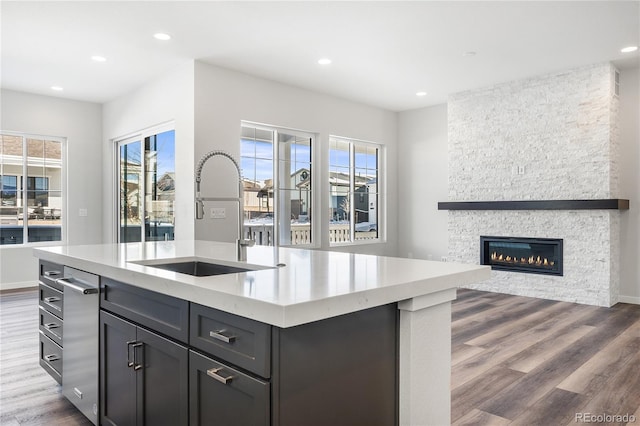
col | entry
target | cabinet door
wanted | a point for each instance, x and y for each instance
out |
(223, 396)
(117, 378)
(162, 380)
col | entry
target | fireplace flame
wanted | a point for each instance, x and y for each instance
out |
(530, 261)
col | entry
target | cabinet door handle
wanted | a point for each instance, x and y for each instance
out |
(136, 365)
(217, 334)
(213, 373)
(51, 325)
(129, 362)
(51, 358)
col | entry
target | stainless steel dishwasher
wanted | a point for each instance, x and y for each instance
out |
(81, 344)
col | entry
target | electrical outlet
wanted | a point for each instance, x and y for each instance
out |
(82, 212)
(443, 258)
(218, 213)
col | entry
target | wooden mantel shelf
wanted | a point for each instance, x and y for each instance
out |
(612, 204)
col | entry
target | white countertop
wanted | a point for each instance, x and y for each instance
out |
(313, 285)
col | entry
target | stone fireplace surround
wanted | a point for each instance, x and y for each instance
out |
(552, 137)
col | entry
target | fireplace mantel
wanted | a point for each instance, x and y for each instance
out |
(611, 204)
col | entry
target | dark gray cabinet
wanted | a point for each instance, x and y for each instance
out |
(237, 340)
(166, 361)
(224, 396)
(51, 315)
(143, 376)
(165, 314)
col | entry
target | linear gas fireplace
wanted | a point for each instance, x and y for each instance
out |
(530, 255)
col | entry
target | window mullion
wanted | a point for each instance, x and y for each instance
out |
(276, 190)
(23, 190)
(142, 191)
(352, 186)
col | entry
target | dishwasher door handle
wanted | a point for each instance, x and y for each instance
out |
(77, 285)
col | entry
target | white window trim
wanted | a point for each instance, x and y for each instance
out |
(130, 137)
(63, 189)
(381, 188)
(315, 220)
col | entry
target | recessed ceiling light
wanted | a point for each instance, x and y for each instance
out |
(99, 58)
(324, 61)
(56, 88)
(162, 36)
(469, 54)
(421, 93)
(629, 49)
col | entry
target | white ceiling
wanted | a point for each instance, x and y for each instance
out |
(382, 52)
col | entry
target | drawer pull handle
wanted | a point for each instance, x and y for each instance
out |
(51, 358)
(51, 325)
(50, 301)
(77, 392)
(217, 334)
(214, 374)
(52, 273)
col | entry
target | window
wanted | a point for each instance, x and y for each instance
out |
(278, 210)
(354, 190)
(31, 188)
(146, 185)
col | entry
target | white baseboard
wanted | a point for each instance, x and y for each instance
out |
(17, 285)
(629, 299)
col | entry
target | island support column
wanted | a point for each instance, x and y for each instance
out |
(425, 359)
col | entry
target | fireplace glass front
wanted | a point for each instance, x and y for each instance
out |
(530, 255)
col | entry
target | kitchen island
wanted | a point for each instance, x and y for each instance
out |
(297, 293)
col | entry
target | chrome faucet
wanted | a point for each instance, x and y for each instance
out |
(241, 242)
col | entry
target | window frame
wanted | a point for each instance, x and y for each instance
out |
(277, 214)
(381, 208)
(22, 188)
(139, 136)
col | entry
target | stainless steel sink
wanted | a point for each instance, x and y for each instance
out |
(199, 269)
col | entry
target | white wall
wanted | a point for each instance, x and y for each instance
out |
(423, 171)
(170, 98)
(81, 124)
(630, 184)
(224, 98)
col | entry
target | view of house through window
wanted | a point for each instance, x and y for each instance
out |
(266, 153)
(146, 165)
(354, 191)
(31, 199)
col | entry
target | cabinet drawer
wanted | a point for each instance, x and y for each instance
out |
(50, 272)
(51, 326)
(240, 341)
(221, 395)
(165, 314)
(51, 357)
(51, 300)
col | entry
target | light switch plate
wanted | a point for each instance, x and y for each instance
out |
(83, 212)
(218, 213)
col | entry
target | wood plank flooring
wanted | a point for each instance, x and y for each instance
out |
(516, 360)
(525, 361)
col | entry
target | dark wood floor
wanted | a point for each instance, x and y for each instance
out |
(516, 360)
